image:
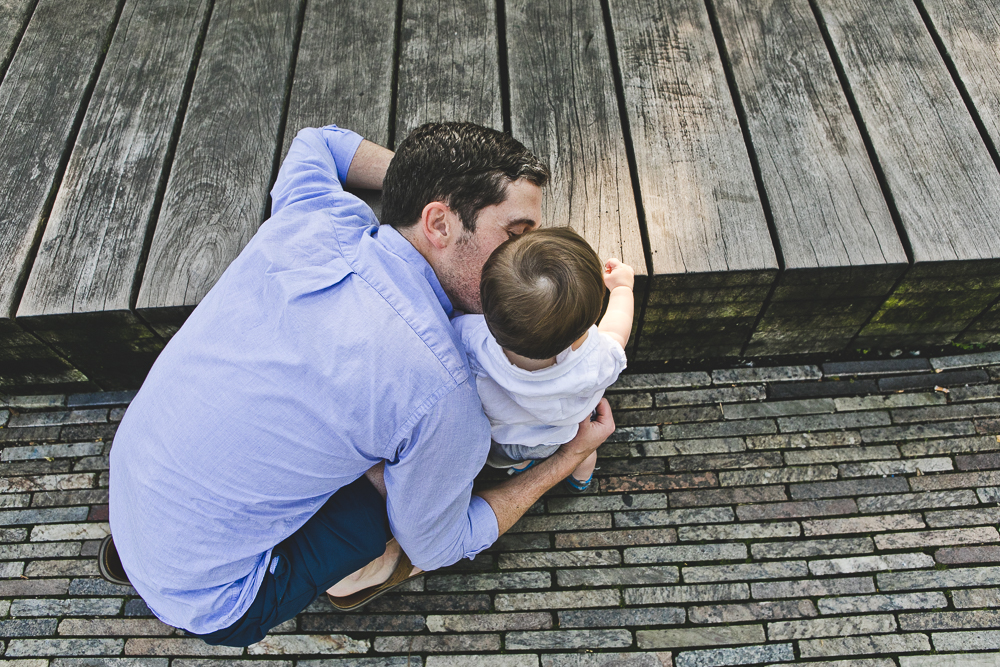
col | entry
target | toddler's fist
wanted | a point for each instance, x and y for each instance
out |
(617, 274)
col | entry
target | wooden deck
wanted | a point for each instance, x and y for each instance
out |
(785, 175)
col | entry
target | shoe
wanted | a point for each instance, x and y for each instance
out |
(110, 564)
(518, 471)
(366, 595)
(573, 485)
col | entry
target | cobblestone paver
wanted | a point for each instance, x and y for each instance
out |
(833, 515)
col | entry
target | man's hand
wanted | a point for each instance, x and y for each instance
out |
(511, 499)
(617, 274)
(592, 434)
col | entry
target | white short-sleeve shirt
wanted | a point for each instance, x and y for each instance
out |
(543, 407)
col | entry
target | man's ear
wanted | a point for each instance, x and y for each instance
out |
(439, 224)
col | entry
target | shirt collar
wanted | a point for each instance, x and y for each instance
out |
(398, 245)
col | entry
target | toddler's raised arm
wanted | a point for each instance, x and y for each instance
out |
(617, 320)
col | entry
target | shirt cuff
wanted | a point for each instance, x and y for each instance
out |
(485, 529)
(343, 144)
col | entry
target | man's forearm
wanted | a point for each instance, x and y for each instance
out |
(511, 499)
(368, 167)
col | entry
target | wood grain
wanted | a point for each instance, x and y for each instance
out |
(217, 194)
(448, 64)
(89, 256)
(40, 100)
(343, 73)
(840, 248)
(825, 200)
(942, 179)
(563, 107)
(706, 226)
(703, 212)
(344, 67)
(970, 31)
(14, 14)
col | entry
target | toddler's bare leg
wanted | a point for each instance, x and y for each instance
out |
(585, 469)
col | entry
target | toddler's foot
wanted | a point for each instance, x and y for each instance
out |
(573, 485)
(579, 480)
(521, 467)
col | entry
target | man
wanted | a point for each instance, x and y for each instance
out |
(314, 426)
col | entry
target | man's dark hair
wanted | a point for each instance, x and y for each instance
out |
(541, 291)
(464, 165)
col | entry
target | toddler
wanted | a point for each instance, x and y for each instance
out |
(540, 357)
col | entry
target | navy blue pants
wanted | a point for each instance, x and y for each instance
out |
(347, 533)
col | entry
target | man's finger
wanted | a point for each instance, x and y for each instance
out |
(604, 416)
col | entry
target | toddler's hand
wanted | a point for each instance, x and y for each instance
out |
(617, 274)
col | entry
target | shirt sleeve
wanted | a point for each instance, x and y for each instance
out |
(612, 350)
(432, 511)
(314, 171)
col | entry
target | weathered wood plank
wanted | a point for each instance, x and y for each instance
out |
(356, 93)
(89, 255)
(942, 179)
(344, 67)
(40, 98)
(40, 101)
(699, 315)
(702, 208)
(563, 107)
(943, 182)
(26, 364)
(970, 32)
(14, 15)
(217, 194)
(825, 200)
(802, 316)
(448, 64)
(703, 212)
(924, 307)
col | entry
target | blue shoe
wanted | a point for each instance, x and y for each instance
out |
(517, 471)
(573, 485)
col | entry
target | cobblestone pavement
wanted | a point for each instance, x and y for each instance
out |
(836, 515)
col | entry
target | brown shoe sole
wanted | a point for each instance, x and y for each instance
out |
(109, 564)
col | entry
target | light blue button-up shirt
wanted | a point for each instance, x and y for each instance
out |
(324, 348)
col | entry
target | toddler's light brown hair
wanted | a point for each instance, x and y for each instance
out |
(541, 291)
